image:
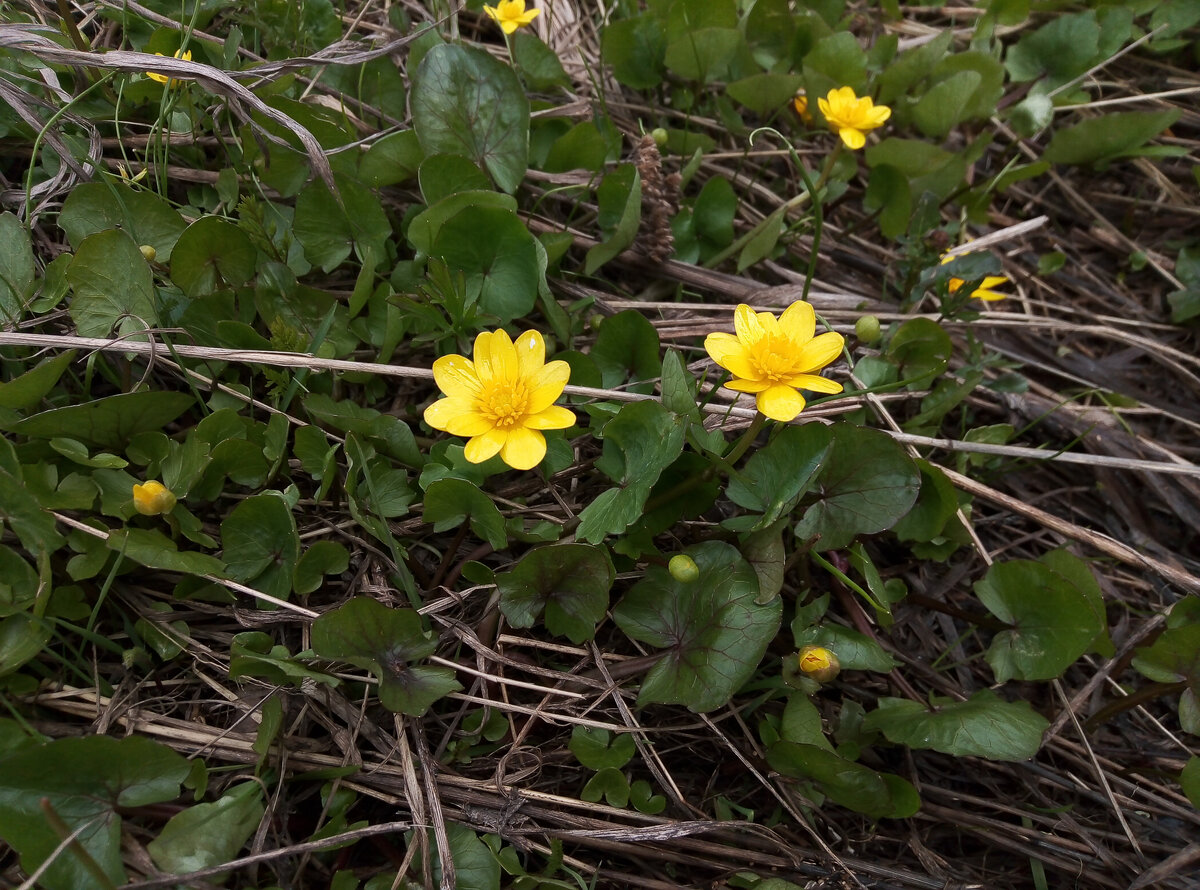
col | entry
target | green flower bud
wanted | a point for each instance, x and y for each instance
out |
(148, 252)
(867, 329)
(659, 135)
(683, 568)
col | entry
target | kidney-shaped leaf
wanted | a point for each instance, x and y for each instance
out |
(570, 581)
(1052, 622)
(85, 780)
(776, 476)
(983, 726)
(713, 631)
(867, 483)
(466, 102)
(1173, 658)
(847, 783)
(261, 543)
(369, 635)
(113, 286)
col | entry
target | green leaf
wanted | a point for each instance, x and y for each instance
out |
(207, 834)
(713, 631)
(854, 651)
(155, 550)
(627, 346)
(1173, 658)
(597, 748)
(921, 348)
(321, 559)
(801, 723)
(254, 654)
(1108, 136)
(1189, 778)
(945, 104)
(847, 783)
(609, 784)
(329, 230)
(778, 475)
(1052, 622)
(18, 583)
(888, 192)
(635, 47)
(28, 389)
(112, 286)
(450, 502)
(424, 229)
(441, 176)
(639, 443)
(538, 64)
(369, 635)
(16, 268)
(27, 519)
(704, 54)
(866, 484)
(109, 422)
(475, 866)
(936, 503)
(92, 207)
(212, 254)
(261, 544)
(1061, 49)
(91, 777)
(391, 160)
(765, 92)
(569, 581)
(466, 102)
(620, 201)
(22, 638)
(983, 726)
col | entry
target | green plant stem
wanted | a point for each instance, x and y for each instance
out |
(1140, 697)
(845, 579)
(746, 441)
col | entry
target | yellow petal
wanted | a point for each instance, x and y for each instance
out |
(739, 384)
(504, 356)
(547, 385)
(555, 417)
(813, 383)
(524, 449)
(481, 354)
(854, 139)
(798, 322)
(729, 352)
(878, 115)
(780, 403)
(820, 351)
(746, 323)
(458, 417)
(486, 446)
(528, 17)
(455, 375)
(531, 353)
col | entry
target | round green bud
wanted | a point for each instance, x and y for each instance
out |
(867, 329)
(148, 252)
(683, 568)
(659, 135)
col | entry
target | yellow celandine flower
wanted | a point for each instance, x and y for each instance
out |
(773, 358)
(984, 291)
(819, 663)
(171, 82)
(153, 498)
(511, 14)
(503, 399)
(800, 103)
(852, 116)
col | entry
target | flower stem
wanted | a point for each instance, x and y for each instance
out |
(747, 439)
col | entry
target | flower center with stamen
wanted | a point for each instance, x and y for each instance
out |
(505, 403)
(774, 358)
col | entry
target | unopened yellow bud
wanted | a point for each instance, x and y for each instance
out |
(153, 498)
(148, 252)
(818, 663)
(683, 568)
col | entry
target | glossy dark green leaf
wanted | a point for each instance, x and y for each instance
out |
(635, 48)
(207, 834)
(1107, 136)
(945, 104)
(983, 726)
(854, 651)
(465, 101)
(570, 582)
(441, 176)
(704, 54)
(1052, 622)
(391, 160)
(22, 638)
(639, 443)
(1172, 658)
(847, 783)
(627, 346)
(538, 64)
(451, 502)
(609, 785)
(112, 286)
(386, 642)
(20, 512)
(92, 207)
(867, 482)
(936, 503)
(109, 422)
(85, 780)
(779, 474)
(318, 560)
(713, 630)
(504, 264)
(329, 230)
(1061, 49)
(620, 203)
(18, 582)
(155, 550)
(766, 92)
(26, 390)
(921, 348)
(212, 254)
(261, 544)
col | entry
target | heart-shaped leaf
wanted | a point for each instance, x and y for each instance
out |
(570, 581)
(713, 631)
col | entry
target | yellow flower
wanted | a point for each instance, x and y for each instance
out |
(852, 116)
(984, 291)
(819, 663)
(800, 103)
(501, 400)
(171, 82)
(773, 358)
(153, 498)
(511, 14)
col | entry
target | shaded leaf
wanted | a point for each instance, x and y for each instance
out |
(569, 581)
(208, 834)
(983, 726)
(450, 502)
(212, 254)
(779, 474)
(16, 268)
(847, 783)
(112, 286)
(109, 422)
(261, 543)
